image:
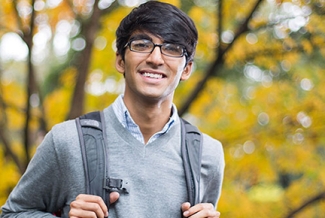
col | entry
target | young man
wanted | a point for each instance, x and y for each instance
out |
(155, 48)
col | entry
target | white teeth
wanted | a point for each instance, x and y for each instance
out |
(152, 75)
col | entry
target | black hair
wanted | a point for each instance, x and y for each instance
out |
(162, 20)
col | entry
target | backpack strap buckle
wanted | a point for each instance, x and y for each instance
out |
(116, 185)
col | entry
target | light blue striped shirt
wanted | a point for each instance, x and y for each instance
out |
(127, 122)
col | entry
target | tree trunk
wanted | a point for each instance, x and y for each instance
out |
(89, 31)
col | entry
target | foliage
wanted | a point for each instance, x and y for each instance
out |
(256, 87)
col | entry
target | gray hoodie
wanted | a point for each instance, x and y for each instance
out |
(154, 173)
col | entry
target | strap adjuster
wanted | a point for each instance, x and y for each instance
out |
(116, 185)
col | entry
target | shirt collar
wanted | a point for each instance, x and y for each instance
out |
(127, 122)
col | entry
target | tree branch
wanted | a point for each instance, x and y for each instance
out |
(9, 151)
(18, 20)
(4, 136)
(220, 27)
(219, 61)
(111, 8)
(244, 27)
(309, 202)
(31, 82)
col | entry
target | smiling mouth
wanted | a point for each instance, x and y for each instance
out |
(153, 75)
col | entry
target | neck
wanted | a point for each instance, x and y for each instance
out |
(151, 117)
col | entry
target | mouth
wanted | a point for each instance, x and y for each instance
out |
(153, 75)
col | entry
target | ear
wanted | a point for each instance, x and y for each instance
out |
(119, 63)
(187, 71)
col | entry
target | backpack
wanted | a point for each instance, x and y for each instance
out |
(94, 154)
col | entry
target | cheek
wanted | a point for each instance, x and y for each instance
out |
(131, 60)
(179, 65)
(180, 71)
(130, 65)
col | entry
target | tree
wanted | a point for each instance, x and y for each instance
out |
(256, 88)
(30, 18)
(252, 53)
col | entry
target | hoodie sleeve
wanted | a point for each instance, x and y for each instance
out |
(51, 180)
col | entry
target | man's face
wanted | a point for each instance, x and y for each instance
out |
(151, 76)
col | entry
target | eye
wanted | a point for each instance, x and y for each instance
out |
(141, 45)
(173, 49)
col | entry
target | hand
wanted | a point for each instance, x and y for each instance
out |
(202, 210)
(91, 206)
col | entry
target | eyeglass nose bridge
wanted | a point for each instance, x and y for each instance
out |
(156, 45)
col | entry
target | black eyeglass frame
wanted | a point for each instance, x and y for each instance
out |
(184, 53)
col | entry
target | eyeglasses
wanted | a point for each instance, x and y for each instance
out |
(147, 46)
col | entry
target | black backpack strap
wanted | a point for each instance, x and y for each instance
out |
(191, 148)
(93, 150)
(95, 156)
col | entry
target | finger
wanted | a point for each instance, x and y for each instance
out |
(102, 210)
(217, 215)
(78, 213)
(186, 206)
(91, 203)
(202, 210)
(113, 197)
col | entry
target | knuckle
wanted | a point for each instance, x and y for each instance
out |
(94, 207)
(74, 204)
(97, 199)
(207, 206)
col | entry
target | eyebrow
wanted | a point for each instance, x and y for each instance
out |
(140, 36)
(147, 37)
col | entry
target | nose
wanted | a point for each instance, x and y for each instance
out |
(155, 57)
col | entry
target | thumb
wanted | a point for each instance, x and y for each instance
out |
(185, 206)
(113, 197)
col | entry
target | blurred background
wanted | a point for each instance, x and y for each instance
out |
(256, 86)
